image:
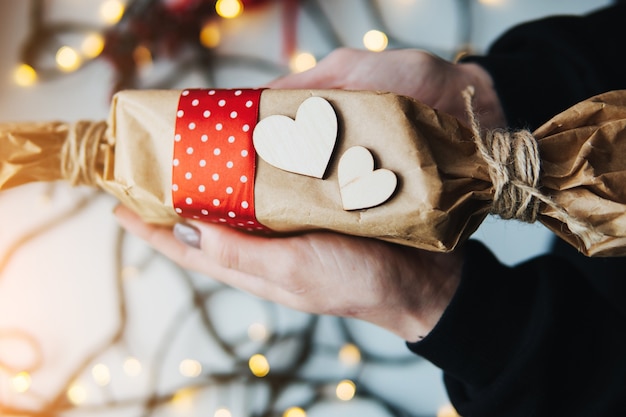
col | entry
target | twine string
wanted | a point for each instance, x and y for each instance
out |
(80, 151)
(514, 168)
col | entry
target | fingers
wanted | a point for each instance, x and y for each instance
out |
(231, 257)
(221, 251)
(328, 73)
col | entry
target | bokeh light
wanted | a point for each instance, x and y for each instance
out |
(375, 40)
(190, 368)
(21, 382)
(210, 35)
(111, 11)
(24, 75)
(447, 411)
(228, 9)
(132, 366)
(294, 412)
(346, 390)
(222, 412)
(259, 365)
(101, 374)
(302, 61)
(349, 354)
(68, 59)
(77, 394)
(93, 45)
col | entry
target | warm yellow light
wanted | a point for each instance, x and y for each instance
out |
(210, 35)
(101, 374)
(190, 368)
(222, 412)
(77, 394)
(491, 2)
(183, 399)
(132, 366)
(302, 61)
(294, 412)
(130, 272)
(346, 390)
(68, 59)
(349, 354)
(111, 11)
(92, 45)
(142, 56)
(25, 75)
(21, 382)
(447, 411)
(257, 332)
(259, 365)
(375, 40)
(229, 9)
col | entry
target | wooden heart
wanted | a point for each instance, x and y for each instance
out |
(361, 186)
(302, 146)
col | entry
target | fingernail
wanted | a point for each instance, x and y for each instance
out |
(187, 234)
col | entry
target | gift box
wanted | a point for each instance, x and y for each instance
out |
(363, 163)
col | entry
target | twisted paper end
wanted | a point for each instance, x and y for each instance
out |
(80, 151)
(514, 168)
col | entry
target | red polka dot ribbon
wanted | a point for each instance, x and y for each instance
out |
(214, 159)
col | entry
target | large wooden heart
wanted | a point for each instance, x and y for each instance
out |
(302, 146)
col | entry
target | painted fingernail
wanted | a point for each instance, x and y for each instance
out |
(187, 234)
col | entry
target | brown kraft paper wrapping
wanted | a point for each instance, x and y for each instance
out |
(444, 186)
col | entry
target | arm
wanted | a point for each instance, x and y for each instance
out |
(398, 288)
(538, 339)
(542, 67)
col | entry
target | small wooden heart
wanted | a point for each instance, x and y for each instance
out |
(302, 146)
(360, 185)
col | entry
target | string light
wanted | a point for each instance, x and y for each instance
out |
(130, 272)
(259, 366)
(132, 366)
(67, 59)
(183, 399)
(93, 45)
(101, 374)
(447, 411)
(229, 9)
(24, 75)
(301, 62)
(210, 35)
(142, 57)
(222, 412)
(190, 368)
(375, 40)
(491, 2)
(346, 390)
(257, 332)
(77, 394)
(294, 412)
(21, 382)
(349, 354)
(111, 11)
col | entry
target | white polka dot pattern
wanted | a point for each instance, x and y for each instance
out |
(214, 158)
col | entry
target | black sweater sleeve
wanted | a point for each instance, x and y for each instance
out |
(534, 340)
(542, 67)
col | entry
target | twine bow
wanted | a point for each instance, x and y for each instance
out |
(80, 151)
(514, 168)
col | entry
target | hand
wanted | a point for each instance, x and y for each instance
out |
(401, 289)
(408, 72)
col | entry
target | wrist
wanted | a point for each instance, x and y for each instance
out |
(487, 104)
(439, 276)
